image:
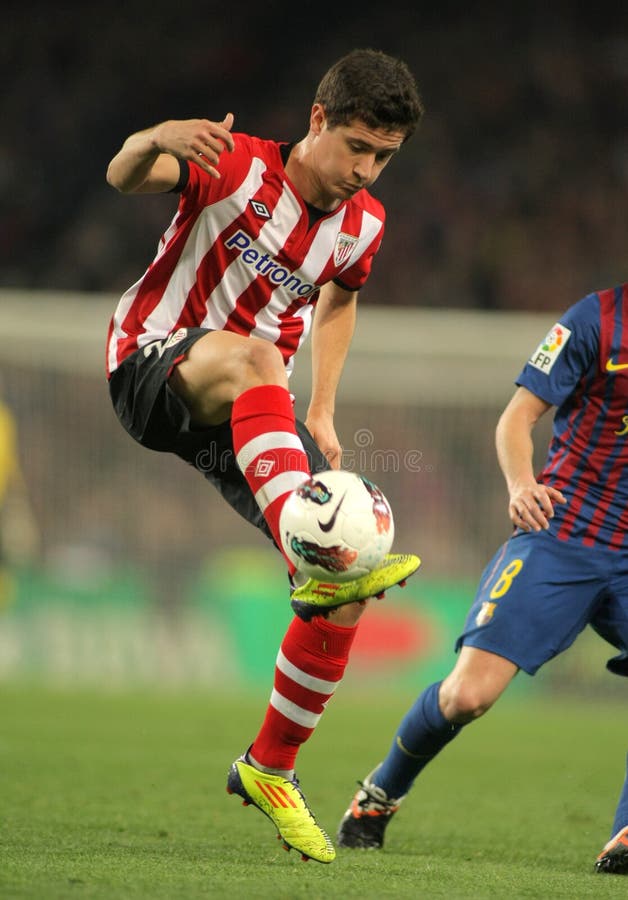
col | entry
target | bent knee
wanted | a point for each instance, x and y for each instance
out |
(463, 701)
(263, 359)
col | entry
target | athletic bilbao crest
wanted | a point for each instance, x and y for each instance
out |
(344, 248)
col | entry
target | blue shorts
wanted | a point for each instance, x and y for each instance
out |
(538, 593)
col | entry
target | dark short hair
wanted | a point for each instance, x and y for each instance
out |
(371, 86)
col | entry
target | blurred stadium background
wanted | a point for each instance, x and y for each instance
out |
(506, 207)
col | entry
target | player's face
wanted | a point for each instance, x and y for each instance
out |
(347, 158)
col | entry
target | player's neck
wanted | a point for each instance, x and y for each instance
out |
(302, 173)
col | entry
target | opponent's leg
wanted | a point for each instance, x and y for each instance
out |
(614, 857)
(436, 717)
(611, 623)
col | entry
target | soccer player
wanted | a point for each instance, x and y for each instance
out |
(564, 567)
(200, 349)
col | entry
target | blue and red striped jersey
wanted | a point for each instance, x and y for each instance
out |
(581, 367)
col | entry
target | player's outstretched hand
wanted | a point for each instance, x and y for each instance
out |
(532, 506)
(197, 139)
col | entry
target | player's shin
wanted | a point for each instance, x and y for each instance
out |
(621, 813)
(422, 734)
(268, 450)
(310, 665)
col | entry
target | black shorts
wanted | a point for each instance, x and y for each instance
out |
(157, 418)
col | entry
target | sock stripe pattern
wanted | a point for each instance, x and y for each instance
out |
(310, 665)
(277, 487)
(307, 681)
(294, 711)
(299, 703)
(268, 450)
(267, 442)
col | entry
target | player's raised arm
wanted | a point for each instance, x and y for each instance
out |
(148, 160)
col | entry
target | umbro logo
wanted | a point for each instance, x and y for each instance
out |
(260, 209)
(264, 467)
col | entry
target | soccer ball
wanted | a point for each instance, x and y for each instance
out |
(336, 526)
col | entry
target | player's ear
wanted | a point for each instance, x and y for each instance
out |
(317, 118)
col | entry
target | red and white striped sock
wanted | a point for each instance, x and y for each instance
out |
(310, 665)
(268, 450)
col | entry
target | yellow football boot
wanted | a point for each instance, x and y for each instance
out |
(316, 597)
(284, 804)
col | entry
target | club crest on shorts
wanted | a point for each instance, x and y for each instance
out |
(344, 248)
(177, 336)
(485, 614)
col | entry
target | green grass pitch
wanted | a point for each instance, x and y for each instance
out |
(123, 796)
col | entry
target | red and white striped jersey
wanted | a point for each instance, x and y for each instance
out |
(242, 254)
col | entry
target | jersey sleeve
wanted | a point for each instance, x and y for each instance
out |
(202, 189)
(353, 278)
(366, 219)
(565, 354)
